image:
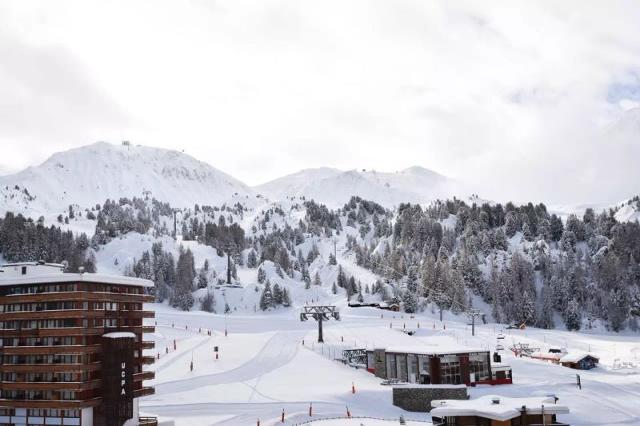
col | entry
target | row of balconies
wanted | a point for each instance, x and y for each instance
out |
(76, 296)
(77, 386)
(72, 331)
(73, 313)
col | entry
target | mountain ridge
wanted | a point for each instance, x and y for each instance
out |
(90, 174)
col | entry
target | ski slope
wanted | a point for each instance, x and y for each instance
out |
(265, 368)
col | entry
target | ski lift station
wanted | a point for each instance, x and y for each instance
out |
(439, 365)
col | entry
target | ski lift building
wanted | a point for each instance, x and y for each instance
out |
(424, 365)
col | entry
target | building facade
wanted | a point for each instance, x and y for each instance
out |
(71, 346)
(426, 366)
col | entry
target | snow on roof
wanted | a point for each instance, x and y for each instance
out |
(431, 386)
(506, 409)
(577, 356)
(119, 335)
(50, 273)
(435, 350)
(500, 366)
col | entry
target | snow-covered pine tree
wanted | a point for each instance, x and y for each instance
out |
(203, 281)
(573, 316)
(412, 280)
(262, 276)
(277, 294)
(410, 302)
(266, 298)
(252, 259)
(208, 302)
(286, 299)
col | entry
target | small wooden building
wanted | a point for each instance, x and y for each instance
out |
(579, 361)
(493, 410)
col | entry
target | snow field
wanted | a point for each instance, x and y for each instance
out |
(272, 370)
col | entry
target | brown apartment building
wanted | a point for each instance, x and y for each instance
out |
(71, 347)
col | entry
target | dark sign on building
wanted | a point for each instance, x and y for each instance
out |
(117, 377)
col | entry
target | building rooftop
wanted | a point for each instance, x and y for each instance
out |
(504, 409)
(25, 273)
(577, 356)
(440, 349)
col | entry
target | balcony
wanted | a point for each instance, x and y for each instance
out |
(145, 375)
(138, 393)
(147, 344)
(147, 359)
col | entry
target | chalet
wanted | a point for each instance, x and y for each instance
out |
(579, 361)
(392, 306)
(438, 365)
(493, 410)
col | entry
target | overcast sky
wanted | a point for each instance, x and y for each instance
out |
(520, 99)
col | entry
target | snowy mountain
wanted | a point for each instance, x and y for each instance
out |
(335, 187)
(91, 174)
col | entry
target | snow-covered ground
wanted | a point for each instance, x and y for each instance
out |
(264, 368)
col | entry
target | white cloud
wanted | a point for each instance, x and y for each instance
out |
(509, 95)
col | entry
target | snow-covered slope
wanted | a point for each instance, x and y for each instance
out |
(628, 213)
(93, 173)
(334, 187)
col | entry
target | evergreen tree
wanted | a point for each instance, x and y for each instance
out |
(203, 281)
(277, 294)
(412, 281)
(262, 276)
(266, 299)
(573, 316)
(286, 299)
(334, 288)
(545, 312)
(208, 302)
(410, 302)
(252, 259)
(316, 279)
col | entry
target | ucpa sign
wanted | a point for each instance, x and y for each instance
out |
(123, 379)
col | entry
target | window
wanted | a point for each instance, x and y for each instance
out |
(391, 366)
(478, 365)
(450, 370)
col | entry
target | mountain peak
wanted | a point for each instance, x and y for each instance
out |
(335, 187)
(90, 174)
